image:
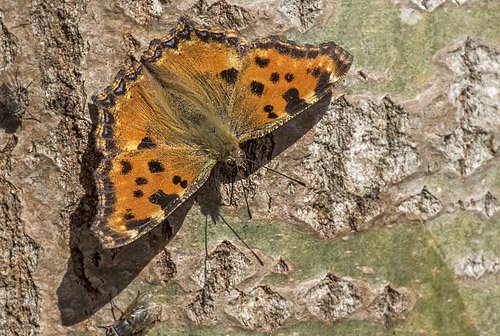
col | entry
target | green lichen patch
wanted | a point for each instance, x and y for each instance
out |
(382, 42)
(463, 234)
(407, 255)
(482, 301)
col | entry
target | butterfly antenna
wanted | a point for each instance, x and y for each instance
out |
(246, 245)
(277, 172)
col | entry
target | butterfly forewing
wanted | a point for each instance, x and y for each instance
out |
(280, 79)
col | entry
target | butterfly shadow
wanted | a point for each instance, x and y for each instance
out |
(96, 275)
(259, 152)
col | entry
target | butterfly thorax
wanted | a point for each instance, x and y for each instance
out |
(216, 138)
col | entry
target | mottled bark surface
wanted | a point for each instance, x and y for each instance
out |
(396, 231)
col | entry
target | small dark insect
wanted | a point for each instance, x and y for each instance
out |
(14, 103)
(137, 319)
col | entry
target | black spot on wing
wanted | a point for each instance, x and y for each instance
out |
(155, 166)
(126, 167)
(272, 115)
(230, 75)
(138, 193)
(128, 215)
(269, 110)
(275, 77)
(178, 180)
(292, 99)
(163, 200)
(146, 143)
(289, 77)
(257, 88)
(316, 72)
(261, 62)
(141, 180)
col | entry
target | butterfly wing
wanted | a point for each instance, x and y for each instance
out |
(139, 189)
(200, 62)
(280, 79)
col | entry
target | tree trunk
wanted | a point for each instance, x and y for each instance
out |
(395, 232)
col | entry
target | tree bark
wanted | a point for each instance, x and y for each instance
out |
(395, 232)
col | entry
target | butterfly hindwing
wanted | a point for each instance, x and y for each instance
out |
(138, 189)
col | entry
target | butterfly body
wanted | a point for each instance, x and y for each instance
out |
(197, 95)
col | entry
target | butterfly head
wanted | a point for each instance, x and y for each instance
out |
(236, 159)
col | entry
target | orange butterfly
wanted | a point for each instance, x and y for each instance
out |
(197, 94)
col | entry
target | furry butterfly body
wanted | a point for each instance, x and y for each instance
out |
(197, 94)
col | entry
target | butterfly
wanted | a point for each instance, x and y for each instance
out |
(193, 99)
